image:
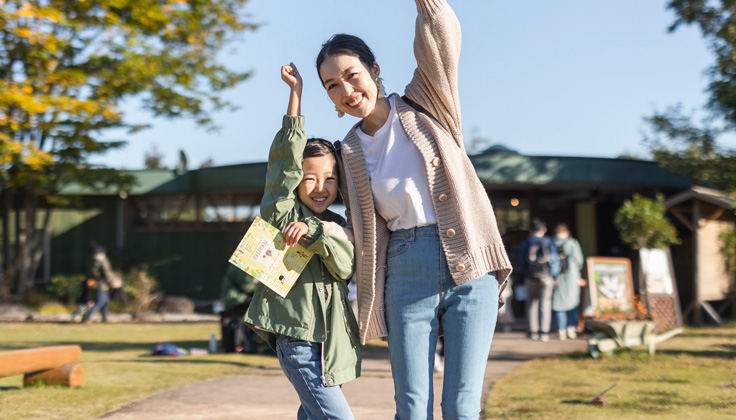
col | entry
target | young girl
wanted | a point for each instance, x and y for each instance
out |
(313, 330)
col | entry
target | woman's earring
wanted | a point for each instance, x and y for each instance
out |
(340, 114)
(381, 89)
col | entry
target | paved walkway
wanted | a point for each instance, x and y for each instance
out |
(266, 394)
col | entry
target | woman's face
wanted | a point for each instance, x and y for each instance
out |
(350, 84)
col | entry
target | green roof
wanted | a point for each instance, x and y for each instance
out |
(505, 169)
(248, 177)
(496, 169)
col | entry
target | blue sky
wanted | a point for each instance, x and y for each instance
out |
(572, 78)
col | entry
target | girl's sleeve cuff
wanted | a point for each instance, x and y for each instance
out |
(293, 122)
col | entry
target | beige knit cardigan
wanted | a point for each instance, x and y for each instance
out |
(465, 220)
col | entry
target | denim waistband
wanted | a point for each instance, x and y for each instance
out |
(411, 233)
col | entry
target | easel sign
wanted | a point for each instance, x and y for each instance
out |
(661, 289)
(611, 287)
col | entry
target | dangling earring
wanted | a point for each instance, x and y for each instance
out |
(381, 89)
(340, 114)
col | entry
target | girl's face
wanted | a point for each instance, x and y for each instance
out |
(350, 84)
(318, 188)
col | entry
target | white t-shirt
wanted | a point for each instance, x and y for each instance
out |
(398, 175)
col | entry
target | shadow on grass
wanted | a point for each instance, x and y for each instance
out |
(728, 354)
(189, 360)
(9, 388)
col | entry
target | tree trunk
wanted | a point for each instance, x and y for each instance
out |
(5, 254)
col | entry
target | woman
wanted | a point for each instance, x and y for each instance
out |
(566, 295)
(428, 252)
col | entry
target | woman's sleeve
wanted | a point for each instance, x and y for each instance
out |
(437, 50)
(337, 254)
(284, 172)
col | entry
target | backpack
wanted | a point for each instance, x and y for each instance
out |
(538, 262)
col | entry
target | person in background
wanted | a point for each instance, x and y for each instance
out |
(237, 292)
(541, 266)
(566, 294)
(100, 279)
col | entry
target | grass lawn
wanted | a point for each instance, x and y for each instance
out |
(117, 364)
(692, 376)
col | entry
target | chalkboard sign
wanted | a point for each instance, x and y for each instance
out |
(611, 287)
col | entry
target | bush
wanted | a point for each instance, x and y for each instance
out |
(66, 288)
(141, 286)
(642, 223)
(728, 249)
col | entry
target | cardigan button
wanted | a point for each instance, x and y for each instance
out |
(450, 233)
(442, 197)
(460, 267)
(436, 162)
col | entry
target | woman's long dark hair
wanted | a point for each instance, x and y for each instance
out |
(346, 44)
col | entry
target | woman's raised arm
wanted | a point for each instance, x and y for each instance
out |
(437, 50)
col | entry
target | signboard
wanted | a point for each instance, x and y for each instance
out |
(658, 281)
(610, 286)
(655, 266)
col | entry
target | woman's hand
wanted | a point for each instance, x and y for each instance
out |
(291, 76)
(332, 228)
(294, 232)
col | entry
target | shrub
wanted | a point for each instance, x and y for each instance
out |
(642, 223)
(141, 286)
(728, 249)
(66, 288)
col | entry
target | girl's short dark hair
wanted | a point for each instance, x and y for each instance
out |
(346, 44)
(318, 147)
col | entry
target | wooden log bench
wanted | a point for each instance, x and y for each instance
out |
(56, 365)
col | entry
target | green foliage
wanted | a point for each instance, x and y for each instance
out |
(65, 68)
(728, 249)
(642, 223)
(66, 65)
(676, 142)
(681, 146)
(66, 289)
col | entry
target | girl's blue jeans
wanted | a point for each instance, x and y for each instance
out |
(301, 361)
(419, 293)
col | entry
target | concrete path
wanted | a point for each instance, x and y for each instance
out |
(266, 394)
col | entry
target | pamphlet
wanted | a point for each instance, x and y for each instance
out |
(263, 254)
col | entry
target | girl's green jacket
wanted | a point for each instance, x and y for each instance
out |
(316, 309)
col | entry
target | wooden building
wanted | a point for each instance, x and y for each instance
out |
(186, 225)
(702, 214)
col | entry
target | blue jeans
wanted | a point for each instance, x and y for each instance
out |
(102, 302)
(301, 361)
(567, 318)
(419, 293)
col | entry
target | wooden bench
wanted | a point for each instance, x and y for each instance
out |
(57, 365)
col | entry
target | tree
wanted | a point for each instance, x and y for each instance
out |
(153, 158)
(679, 144)
(65, 66)
(642, 223)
